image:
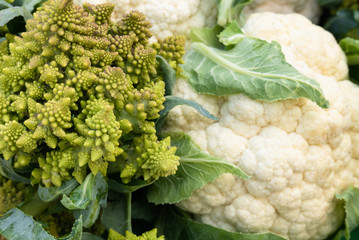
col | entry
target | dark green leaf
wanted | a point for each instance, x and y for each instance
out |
(351, 206)
(196, 169)
(176, 227)
(342, 25)
(169, 75)
(230, 10)
(52, 193)
(132, 186)
(9, 13)
(8, 171)
(232, 34)
(114, 216)
(208, 36)
(253, 67)
(329, 3)
(16, 225)
(90, 236)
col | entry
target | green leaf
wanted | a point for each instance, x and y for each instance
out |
(8, 171)
(176, 227)
(196, 169)
(4, 3)
(132, 186)
(76, 232)
(169, 75)
(350, 46)
(16, 225)
(351, 206)
(9, 13)
(329, 3)
(232, 34)
(229, 10)
(90, 236)
(92, 188)
(29, 5)
(52, 193)
(114, 216)
(343, 24)
(173, 101)
(253, 67)
(208, 36)
(88, 198)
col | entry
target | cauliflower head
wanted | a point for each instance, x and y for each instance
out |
(308, 8)
(297, 154)
(167, 17)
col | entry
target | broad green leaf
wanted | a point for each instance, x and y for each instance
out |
(253, 67)
(343, 24)
(4, 3)
(30, 4)
(232, 34)
(208, 36)
(16, 225)
(169, 75)
(173, 101)
(329, 3)
(132, 186)
(52, 193)
(351, 206)
(9, 13)
(196, 169)
(88, 198)
(177, 227)
(350, 46)
(8, 171)
(114, 216)
(90, 236)
(229, 10)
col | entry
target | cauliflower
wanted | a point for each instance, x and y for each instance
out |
(297, 154)
(167, 17)
(308, 8)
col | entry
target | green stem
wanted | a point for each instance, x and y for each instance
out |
(128, 211)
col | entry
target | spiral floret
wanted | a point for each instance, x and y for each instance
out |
(77, 89)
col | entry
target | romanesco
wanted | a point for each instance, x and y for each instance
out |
(78, 91)
(150, 235)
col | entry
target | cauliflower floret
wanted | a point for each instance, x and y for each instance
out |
(297, 154)
(308, 8)
(167, 17)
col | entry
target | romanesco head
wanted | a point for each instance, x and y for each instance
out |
(11, 194)
(149, 235)
(77, 91)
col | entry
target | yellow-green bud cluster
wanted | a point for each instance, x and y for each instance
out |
(11, 194)
(76, 90)
(171, 49)
(149, 235)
